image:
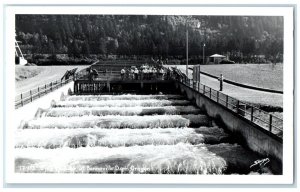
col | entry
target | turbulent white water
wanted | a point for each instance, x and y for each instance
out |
(161, 134)
(117, 137)
(179, 158)
(122, 97)
(124, 111)
(113, 121)
(122, 103)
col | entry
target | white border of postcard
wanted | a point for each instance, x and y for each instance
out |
(286, 12)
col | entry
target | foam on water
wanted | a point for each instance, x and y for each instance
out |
(121, 97)
(160, 134)
(112, 121)
(56, 138)
(122, 103)
(179, 158)
(124, 111)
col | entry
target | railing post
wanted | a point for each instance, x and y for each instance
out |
(203, 89)
(39, 91)
(199, 85)
(22, 99)
(270, 123)
(252, 110)
(75, 88)
(237, 106)
(51, 86)
(226, 101)
(217, 96)
(45, 88)
(30, 95)
(210, 92)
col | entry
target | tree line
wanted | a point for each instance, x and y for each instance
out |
(155, 35)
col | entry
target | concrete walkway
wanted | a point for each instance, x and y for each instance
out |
(48, 74)
(240, 93)
(28, 111)
(244, 94)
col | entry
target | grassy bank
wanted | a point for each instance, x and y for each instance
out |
(260, 75)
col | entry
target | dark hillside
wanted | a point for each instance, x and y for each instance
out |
(241, 37)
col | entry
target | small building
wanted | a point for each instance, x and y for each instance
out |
(216, 59)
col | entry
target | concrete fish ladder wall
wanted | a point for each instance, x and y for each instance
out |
(28, 111)
(247, 133)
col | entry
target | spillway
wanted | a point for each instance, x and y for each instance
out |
(140, 134)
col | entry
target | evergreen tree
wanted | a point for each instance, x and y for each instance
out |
(86, 48)
(150, 35)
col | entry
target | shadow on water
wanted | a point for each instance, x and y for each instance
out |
(273, 166)
(242, 157)
(238, 159)
(212, 135)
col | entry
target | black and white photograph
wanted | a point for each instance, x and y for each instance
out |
(137, 93)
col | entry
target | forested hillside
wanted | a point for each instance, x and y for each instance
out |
(240, 37)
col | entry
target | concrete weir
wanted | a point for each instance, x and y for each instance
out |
(165, 120)
(246, 132)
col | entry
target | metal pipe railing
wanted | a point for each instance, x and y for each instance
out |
(262, 119)
(33, 94)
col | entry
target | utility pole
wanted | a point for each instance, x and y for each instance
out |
(187, 52)
(204, 34)
(203, 62)
(203, 53)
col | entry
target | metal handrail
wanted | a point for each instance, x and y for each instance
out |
(32, 94)
(201, 88)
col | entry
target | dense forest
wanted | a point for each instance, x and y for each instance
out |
(242, 38)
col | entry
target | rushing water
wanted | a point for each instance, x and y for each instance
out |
(124, 111)
(161, 134)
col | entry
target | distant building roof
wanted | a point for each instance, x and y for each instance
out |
(217, 55)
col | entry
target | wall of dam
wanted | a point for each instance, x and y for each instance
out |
(246, 132)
